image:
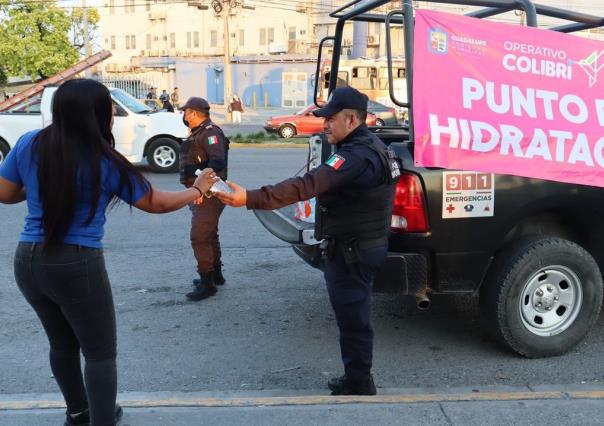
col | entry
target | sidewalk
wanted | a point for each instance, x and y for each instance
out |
(250, 117)
(501, 405)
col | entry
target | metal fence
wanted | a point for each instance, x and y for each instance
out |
(138, 85)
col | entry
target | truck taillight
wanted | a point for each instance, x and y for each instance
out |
(409, 212)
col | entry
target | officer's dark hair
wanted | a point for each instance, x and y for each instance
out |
(360, 114)
(71, 151)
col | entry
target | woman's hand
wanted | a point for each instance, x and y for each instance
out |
(205, 180)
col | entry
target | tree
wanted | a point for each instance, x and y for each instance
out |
(35, 40)
(77, 27)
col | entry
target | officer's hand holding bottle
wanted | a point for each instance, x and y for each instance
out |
(237, 198)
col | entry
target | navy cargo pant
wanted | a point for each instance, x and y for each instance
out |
(350, 289)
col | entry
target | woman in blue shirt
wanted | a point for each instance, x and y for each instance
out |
(69, 174)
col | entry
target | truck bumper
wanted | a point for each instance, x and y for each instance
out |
(404, 273)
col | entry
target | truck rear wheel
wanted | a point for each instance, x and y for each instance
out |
(4, 148)
(162, 155)
(542, 296)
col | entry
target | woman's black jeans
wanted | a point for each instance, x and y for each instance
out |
(69, 289)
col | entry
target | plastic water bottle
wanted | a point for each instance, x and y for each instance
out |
(218, 186)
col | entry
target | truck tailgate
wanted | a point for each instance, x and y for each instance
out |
(283, 225)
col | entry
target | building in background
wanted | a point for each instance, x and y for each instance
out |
(272, 44)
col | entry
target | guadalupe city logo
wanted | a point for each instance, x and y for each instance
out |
(438, 42)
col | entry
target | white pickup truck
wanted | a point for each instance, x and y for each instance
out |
(139, 131)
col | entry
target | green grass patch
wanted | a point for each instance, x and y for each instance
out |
(262, 137)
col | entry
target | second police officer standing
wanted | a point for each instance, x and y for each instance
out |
(206, 147)
(355, 190)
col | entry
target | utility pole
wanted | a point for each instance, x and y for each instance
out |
(309, 26)
(227, 59)
(87, 46)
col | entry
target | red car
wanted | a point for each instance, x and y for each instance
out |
(301, 123)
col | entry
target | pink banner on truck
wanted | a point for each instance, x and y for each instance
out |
(507, 99)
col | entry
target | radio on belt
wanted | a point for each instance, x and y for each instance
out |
(218, 186)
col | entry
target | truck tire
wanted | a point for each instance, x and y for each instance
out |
(541, 296)
(162, 155)
(4, 148)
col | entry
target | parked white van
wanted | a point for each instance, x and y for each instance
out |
(140, 132)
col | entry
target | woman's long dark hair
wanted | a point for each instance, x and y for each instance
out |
(70, 151)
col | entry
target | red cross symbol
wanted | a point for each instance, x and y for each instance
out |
(450, 208)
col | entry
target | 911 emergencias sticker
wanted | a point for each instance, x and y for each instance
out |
(468, 194)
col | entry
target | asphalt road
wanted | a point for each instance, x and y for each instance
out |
(270, 327)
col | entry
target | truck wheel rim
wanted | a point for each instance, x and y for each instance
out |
(164, 156)
(551, 300)
(287, 132)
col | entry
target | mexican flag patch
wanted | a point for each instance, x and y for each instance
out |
(212, 140)
(335, 161)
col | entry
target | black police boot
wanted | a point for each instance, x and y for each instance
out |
(342, 386)
(218, 277)
(204, 289)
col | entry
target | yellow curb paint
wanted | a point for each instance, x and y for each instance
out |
(319, 400)
(586, 395)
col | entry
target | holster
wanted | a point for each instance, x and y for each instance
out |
(349, 249)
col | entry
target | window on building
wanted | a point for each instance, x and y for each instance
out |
(133, 42)
(270, 37)
(342, 80)
(188, 40)
(291, 33)
(196, 39)
(172, 40)
(241, 37)
(148, 41)
(213, 38)
(364, 78)
(127, 42)
(148, 5)
(113, 42)
(262, 36)
(129, 6)
(111, 7)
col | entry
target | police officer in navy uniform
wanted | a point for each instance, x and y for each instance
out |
(355, 190)
(206, 147)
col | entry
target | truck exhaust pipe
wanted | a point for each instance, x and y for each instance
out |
(421, 300)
